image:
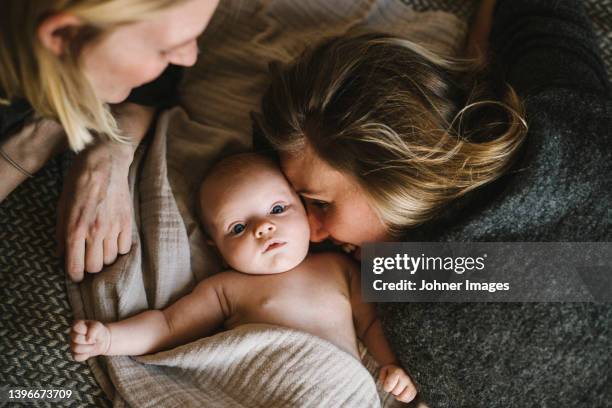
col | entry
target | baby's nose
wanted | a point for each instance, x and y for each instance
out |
(264, 228)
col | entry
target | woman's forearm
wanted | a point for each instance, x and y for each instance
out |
(26, 151)
(134, 122)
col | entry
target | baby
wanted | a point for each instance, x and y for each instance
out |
(260, 227)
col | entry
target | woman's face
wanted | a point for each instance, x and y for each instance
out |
(137, 53)
(337, 207)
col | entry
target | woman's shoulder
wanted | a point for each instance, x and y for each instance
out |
(558, 189)
(547, 44)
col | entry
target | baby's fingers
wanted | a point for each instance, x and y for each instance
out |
(391, 381)
(404, 390)
(78, 338)
(384, 372)
(88, 349)
(95, 330)
(80, 357)
(80, 327)
(399, 387)
(408, 394)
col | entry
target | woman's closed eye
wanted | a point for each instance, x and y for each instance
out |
(319, 204)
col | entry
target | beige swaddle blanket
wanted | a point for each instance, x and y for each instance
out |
(253, 365)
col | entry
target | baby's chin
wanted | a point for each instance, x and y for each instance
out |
(282, 261)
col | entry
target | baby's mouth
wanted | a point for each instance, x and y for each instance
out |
(273, 244)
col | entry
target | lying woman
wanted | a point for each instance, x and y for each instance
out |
(386, 141)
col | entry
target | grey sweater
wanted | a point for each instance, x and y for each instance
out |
(524, 355)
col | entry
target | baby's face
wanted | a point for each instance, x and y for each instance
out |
(256, 220)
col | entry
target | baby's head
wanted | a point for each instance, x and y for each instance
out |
(253, 216)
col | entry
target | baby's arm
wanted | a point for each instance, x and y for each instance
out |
(193, 316)
(369, 329)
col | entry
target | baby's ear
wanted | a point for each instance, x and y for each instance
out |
(210, 242)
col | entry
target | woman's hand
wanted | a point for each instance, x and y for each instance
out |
(95, 209)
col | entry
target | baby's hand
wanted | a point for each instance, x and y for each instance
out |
(397, 382)
(89, 339)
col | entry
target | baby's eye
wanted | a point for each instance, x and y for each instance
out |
(237, 229)
(278, 209)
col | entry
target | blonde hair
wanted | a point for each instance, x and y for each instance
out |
(416, 130)
(55, 86)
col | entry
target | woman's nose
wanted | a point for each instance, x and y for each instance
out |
(186, 56)
(264, 228)
(317, 232)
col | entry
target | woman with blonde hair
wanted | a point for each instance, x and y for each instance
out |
(68, 73)
(385, 141)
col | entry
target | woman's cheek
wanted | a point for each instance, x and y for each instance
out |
(144, 73)
(342, 226)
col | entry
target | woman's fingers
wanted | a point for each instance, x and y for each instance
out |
(75, 257)
(95, 214)
(110, 249)
(94, 256)
(98, 248)
(81, 214)
(125, 238)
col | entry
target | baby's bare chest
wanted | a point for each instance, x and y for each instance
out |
(302, 299)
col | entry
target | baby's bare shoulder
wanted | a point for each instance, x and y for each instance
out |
(219, 280)
(332, 260)
(335, 258)
(225, 286)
